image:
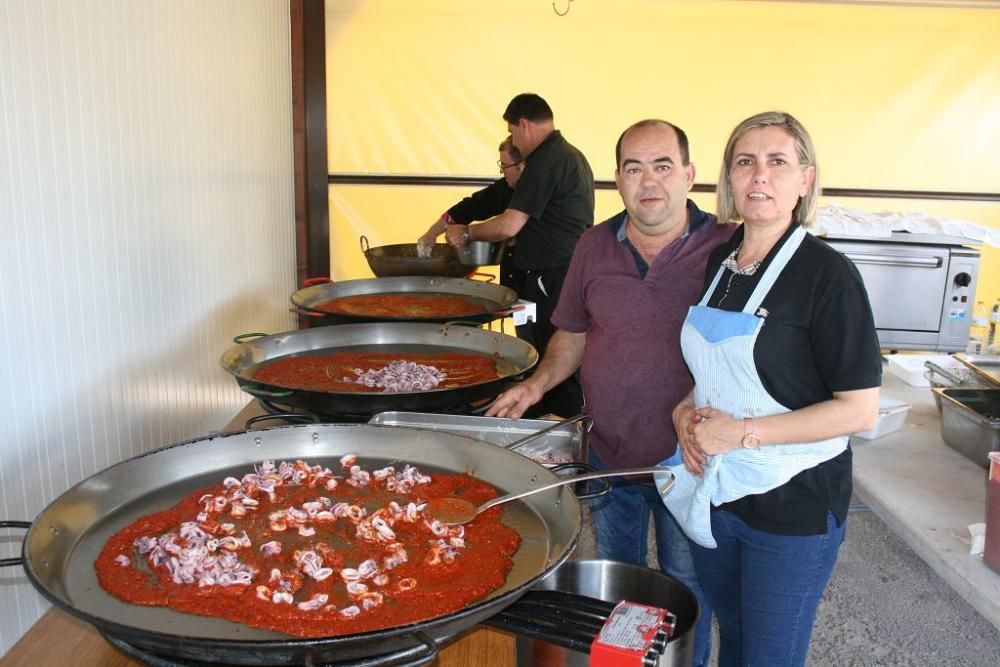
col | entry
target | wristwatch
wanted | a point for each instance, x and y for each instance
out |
(750, 439)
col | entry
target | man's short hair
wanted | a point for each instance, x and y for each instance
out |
(682, 139)
(507, 146)
(529, 106)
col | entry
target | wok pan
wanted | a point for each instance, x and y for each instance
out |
(401, 259)
(496, 299)
(63, 542)
(513, 357)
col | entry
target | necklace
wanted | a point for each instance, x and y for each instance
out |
(731, 264)
(733, 267)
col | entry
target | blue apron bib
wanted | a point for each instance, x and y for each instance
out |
(718, 348)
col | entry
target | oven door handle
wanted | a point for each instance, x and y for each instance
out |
(893, 260)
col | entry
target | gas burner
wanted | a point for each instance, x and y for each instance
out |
(556, 617)
(408, 657)
(294, 415)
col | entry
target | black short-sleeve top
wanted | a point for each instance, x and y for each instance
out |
(556, 191)
(483, 204)
(818, 338)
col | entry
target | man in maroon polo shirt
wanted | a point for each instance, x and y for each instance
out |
(628, 289)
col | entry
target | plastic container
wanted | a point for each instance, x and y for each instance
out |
(910, 367)
(991, 554)
(994, 322)
(979, 330)
(891, 415)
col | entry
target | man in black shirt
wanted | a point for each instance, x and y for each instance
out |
(484, 204)
(551, 207)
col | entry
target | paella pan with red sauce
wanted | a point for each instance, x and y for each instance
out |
(402, 306)
(377, 371)
(300, 549)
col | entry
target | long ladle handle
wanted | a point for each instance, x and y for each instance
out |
(581, 478)
(548, 429)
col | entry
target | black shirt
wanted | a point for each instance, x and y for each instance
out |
(556, 191)
(492, 200)
(818, 338)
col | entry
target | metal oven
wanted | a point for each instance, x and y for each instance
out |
(921, 286)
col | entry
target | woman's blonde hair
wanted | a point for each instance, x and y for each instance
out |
(805, 209)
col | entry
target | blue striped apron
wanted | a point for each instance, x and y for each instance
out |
(718, 348)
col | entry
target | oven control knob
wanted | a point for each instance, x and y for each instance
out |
(963, 279)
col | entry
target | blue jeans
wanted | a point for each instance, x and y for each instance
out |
(621, 521)
(765, 589)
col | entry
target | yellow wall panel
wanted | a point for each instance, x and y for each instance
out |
(896, 97)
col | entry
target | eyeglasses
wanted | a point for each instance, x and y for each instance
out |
(505, 167)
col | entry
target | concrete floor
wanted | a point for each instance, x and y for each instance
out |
(885, 606)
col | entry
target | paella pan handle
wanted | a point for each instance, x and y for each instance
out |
(364, 244)
(317, 281)
(306, 313)
(242, 338)
(255, 390)
(290, 417)
(509, 311)
(414, 657)
(8, 562)
(463, 323)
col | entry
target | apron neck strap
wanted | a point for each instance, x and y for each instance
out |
(774, 269)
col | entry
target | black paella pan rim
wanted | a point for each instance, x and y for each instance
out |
(325, 441)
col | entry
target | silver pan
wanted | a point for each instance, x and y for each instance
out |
(513, 358)
(496, 299)
(64, 541)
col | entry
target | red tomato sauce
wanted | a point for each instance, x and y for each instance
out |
(402, 305)
(326, 372)
(444, 587)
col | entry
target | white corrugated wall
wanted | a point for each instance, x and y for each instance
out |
(146, 217)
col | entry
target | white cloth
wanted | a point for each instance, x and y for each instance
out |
(844, 220)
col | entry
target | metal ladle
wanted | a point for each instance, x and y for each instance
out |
(450, 510)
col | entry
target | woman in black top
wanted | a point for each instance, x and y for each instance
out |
(786, 363)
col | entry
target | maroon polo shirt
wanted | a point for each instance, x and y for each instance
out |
(632, 371)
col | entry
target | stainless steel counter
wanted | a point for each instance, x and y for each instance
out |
(928, 494)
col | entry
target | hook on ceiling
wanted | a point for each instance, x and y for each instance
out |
(568, 3)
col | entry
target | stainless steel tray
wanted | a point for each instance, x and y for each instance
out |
(565, 444)
(986, 366)
(970, 421)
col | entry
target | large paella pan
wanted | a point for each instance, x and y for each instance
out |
(510, 356)
(62, 544)
(404, 299)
